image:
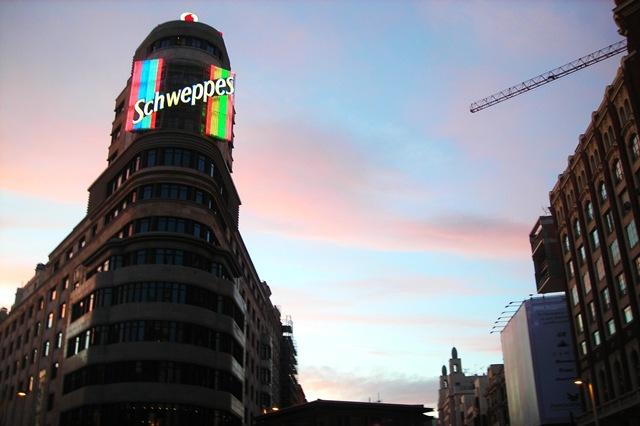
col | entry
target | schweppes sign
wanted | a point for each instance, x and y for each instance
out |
(146, 98)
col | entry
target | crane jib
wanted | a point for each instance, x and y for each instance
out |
(549, 76)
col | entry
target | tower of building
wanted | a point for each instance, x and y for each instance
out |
(460, 396)
(150, 311)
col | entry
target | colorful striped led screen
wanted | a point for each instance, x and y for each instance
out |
(219, 117)
(144, 85)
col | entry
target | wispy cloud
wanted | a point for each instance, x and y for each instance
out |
(317, 185)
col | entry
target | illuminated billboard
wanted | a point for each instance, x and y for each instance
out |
(148, 97)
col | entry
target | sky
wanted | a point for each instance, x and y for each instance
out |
(389, 221)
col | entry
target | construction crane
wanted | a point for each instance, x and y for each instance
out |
(549, 76)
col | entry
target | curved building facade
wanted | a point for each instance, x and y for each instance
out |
(150, 311)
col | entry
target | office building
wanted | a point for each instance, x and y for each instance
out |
(151, 311)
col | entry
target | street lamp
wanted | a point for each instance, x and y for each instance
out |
(21, 393)
(580, 382)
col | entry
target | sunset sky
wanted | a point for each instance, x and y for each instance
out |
(389, 222)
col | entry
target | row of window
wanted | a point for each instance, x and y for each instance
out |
(596, 337)
(162, 256)
(147, 413)
(153, 371)
(22, 362)
(155, 331)
(631, 234)
(594, 238)
(166, 191)
(175, 157)
(52, 295)
(617, 172)
(37, 328)
(194, 42)
(154, 291)
(169, 224)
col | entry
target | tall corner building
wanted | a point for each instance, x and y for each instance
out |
(589, 246)
(151, 311)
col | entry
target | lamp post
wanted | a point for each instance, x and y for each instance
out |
(580, 382)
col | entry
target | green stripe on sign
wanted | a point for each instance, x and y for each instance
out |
(222, 116)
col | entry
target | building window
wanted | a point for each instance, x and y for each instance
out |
(621, 284)
(595, 239)
(615, 252)
(592, 312)
(635, 147)
(617, 171)
(576, 228)
(62, 310)
(49, 320)
(637, 265)
(30, 384)
(583, 347)
(611, 327)
(46, 348)
(59, 340)
(565, 243)
(600, 268)
(627, 314)
(588, 211)
(54, 370)
(603, 192)
(53, 293)
(574, 295)
(608, 222)
(586, 282)
(570, 269)
(579, 323)
(625, 202)
(632, 234)
(596, 338)
(582, 255)
(606, 299)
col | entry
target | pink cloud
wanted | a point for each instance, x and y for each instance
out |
(50, 162)
(306, 183)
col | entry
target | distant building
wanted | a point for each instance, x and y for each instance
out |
(291, 392)
(539, 363)
(476, 404)
(348, 413)
(496, 396)
(461, 397)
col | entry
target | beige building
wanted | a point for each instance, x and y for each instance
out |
(461, 400)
